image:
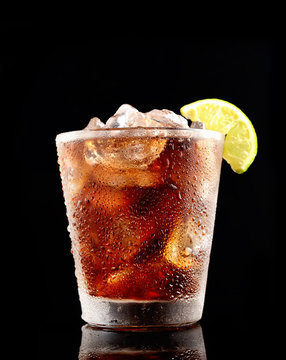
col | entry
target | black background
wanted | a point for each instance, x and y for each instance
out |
(53, 85)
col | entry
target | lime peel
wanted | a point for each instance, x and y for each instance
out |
(240, 146)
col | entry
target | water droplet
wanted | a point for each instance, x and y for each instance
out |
(173, 186)
(187, 251)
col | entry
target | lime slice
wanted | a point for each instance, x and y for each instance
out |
(240, 146)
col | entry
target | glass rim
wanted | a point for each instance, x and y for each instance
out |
(137, 132)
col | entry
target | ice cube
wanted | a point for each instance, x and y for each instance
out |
(94, 123)
(123, 153)
(93, 154)
(121, 178)
(128, 116)
(198, 125)
(137, 281)
(106, 199)
(167, 118)
(73, 173)
(184, 245)
(127, 153)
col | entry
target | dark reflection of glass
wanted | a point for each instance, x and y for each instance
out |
(186, 344)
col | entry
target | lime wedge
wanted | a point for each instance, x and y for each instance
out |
(240, 146)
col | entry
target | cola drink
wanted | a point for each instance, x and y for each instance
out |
(141, 207)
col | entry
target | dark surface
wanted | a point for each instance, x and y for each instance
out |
(226, 339)
(52, 85)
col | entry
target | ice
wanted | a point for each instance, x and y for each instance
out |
(131, 152)
(123, 154)
(198, 125)
(127, 116)
(167, 118)
(73, 172)
(184, 245)
(121, 178)
(94, 123)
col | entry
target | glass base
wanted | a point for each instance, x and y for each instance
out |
(132, 314)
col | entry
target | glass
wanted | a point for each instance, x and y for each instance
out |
(141, 208)
(186, 344)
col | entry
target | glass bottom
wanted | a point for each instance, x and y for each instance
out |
(132, 314)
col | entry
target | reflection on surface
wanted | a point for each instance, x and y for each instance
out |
(186, 344)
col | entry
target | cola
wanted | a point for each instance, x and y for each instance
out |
(141, 207)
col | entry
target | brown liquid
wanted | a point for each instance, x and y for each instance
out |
(141, 229)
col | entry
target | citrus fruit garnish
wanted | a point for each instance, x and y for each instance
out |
(240, 147)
